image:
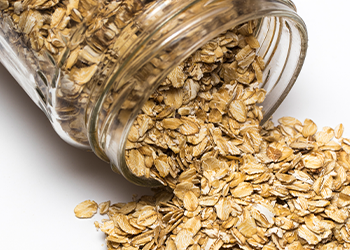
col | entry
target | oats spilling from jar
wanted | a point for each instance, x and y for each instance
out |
(293, 194)
(206, 107)
(230, 183)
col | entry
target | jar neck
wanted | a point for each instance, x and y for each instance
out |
(159, 39)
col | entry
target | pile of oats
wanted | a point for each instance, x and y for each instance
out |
(230, 183)
(292, 194)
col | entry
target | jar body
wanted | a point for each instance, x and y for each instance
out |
(90, 66)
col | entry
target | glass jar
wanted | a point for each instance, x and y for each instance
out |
(90, 65)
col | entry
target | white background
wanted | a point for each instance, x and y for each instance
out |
(42, 178)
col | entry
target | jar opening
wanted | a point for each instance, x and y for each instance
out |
(152, 59)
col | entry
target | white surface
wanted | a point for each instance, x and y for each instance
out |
(42, 178)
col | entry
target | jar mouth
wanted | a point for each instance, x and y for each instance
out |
(108, 139)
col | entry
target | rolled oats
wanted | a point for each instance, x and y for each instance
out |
(338, 131)
(86, 209)
(302, 204)
(231, 183)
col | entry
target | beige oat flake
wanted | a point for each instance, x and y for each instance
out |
(338, 131)
(86, 209)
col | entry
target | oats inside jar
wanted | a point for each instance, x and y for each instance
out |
(199, 108)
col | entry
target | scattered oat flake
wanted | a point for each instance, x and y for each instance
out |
(86, 209)
(104, 206)
(338, 131)
(309, 128)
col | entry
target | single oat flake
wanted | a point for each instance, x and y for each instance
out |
(86, 209)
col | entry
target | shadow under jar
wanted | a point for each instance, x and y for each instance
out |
(90, 65)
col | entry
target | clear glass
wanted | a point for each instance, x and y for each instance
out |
(92, 71)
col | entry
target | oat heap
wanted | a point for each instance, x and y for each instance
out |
(294, 194)
(231, 184)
